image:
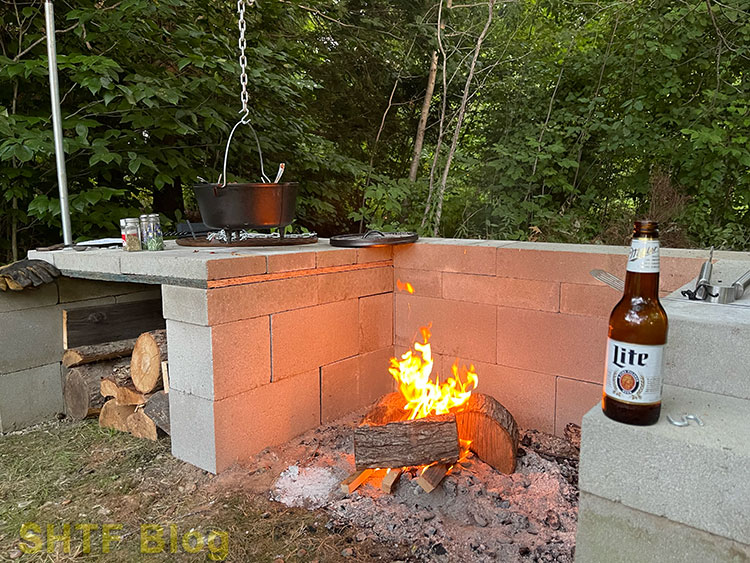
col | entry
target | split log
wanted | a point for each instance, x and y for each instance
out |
(165, 376)
(384, 439)
(97, 353)
(492, 430)
(115, 416)
(390, 479)
(351, 483)
(141, 426)
(81, 388)
(119, 377)
(430, 477)
(145, 364)
(157, 409)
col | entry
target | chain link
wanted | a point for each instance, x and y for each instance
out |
(244, 96)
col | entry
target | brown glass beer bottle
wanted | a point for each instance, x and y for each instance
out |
(637, 335)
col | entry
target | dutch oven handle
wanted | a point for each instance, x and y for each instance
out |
(223, 178)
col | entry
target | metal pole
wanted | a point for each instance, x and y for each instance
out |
(54, 90)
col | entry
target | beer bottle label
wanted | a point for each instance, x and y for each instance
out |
(634, 372)
(644, 256)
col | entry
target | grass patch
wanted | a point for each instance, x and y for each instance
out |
(78, 473)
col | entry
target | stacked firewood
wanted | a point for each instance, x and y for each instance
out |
(124, 383)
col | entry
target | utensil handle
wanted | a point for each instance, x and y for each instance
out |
(742, 284)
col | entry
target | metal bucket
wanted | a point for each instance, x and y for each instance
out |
(247, 206)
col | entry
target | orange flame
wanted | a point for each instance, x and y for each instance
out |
(404, 286)
(425, 397)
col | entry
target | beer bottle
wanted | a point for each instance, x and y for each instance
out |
(637, 335)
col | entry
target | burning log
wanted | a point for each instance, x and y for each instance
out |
(385, 439)
(351, 483)
(390, 480)
(430, 477)
(492, 430)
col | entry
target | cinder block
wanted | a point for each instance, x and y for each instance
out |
(591, 300)
(305, 339)
(335, 257)
(42, 296)
(353, 383)
(426, 283)
(355, 283)
(227, 304)
(191, 367)
(459, 329)
(105, 261)
(77, 289)
(339, 389)
(236, 266)
(694, 475)
(266, 416)
(573, 400)
(242, 356)
(374, 378)
(558, 266)
(375, 322)
(30, 396)
(374, 254)
(186, 304)
(707, 347)
(559, 344)
(193, 429)
(529, 396)
(175, 264)
(612, 532)
(289, 261)
(509, 292)
(30, 338)
(447, 258)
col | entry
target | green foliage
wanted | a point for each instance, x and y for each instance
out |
(578, 112)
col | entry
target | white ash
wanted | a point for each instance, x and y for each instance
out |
(476, 514)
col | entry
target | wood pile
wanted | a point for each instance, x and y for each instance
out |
(125, 383)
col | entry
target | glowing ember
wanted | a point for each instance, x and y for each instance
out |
(425, 396)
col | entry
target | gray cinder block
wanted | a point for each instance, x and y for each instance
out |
(29, 396)
(193, 436)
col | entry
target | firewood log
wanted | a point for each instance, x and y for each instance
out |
(141, 426)
(384, 439)
(97, 353)
(157, 409)
(115, 416)
(149, 352)
(430, 477)
(492, 430)
(81, 388)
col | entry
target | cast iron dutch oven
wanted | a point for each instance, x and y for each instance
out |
(247, 206)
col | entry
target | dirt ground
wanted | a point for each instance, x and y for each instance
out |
(86, 477)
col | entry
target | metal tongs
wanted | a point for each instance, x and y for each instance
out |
(705, 291)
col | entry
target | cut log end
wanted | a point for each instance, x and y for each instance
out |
(115, 416)
(149, 352)
(141, 426)
(81, 388)
(492, 430)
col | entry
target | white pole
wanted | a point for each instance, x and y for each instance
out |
(54, 90)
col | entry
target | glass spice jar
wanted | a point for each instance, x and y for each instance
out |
(132, 235)
(154, 237)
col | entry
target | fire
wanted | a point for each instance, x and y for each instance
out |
(425, 396)
(404, 286)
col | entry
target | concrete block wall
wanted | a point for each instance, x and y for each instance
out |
(257, 358)
(31, 346)
(529, 316)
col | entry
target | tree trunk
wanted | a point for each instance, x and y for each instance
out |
(460, 119)
(385, 440)
(419, 139)
(149, 352)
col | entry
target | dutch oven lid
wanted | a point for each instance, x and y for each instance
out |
(373, 238)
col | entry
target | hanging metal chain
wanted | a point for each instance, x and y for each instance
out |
(244, 96)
